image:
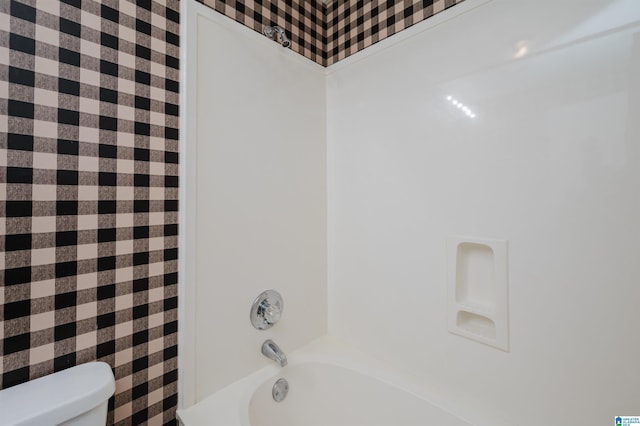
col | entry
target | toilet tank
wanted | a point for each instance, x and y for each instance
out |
(76, 396)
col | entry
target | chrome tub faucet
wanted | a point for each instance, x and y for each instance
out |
(273, 352)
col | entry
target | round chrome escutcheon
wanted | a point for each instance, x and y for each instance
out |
(266, 309)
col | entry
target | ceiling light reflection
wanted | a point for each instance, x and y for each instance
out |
(522, 49)
(467, 111)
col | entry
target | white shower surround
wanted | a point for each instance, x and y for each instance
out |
(331, 385)
(550, 163)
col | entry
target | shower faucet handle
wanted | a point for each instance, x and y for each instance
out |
(270, 313)
(266, 310)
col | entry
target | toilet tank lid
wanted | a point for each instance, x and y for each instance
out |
(57, 397)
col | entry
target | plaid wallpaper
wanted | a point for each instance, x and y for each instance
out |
(351, 26)
(89, 195)
(327, 34)
(303, 20)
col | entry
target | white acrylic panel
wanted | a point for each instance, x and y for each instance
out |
(259, 192)
(550, 162)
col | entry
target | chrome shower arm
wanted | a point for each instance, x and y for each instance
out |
(271, 31)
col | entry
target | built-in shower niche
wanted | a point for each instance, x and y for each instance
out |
(477, 290)
(475, 276)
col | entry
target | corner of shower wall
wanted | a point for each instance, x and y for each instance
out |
(186, 270)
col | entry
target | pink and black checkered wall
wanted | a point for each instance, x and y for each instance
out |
(89, 195)
(303, 20)
(351, 26)
(327, 34)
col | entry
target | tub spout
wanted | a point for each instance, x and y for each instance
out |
(273, 351)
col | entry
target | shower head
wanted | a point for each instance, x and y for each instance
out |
(284, 40)
(271, 31)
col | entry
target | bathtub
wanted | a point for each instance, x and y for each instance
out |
(330, 385)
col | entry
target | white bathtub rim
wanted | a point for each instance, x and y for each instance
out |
(230, 405)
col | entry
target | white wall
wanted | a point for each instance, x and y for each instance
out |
(260, 197)
(551, 163)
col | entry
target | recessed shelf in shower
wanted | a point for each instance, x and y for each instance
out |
(477, 290)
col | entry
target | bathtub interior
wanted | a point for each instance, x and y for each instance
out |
(334, 384)
(324, 394)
